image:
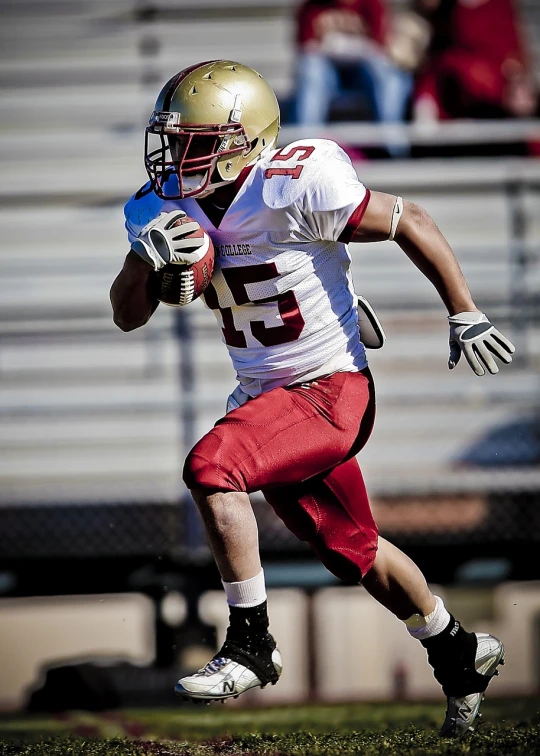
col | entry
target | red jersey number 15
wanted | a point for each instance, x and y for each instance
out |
(294, 172)
(237, 280)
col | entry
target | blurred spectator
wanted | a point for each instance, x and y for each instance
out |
(476, 66)
(343, 49)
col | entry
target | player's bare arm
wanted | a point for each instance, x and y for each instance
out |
(423, 243)
(132, 302)
(417, 234)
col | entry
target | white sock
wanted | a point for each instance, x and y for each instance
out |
(433, 624)
(246, 593)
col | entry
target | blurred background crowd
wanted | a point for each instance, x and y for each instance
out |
(427, 60)
(107, 587)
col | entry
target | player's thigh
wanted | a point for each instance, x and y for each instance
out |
(284, 436)
(332, 513)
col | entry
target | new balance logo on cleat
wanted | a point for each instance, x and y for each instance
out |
(228, 686)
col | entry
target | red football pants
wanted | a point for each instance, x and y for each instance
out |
(297, 445)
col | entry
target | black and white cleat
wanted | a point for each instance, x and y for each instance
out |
(463, 712)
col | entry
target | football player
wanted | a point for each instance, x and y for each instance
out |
(282, 293)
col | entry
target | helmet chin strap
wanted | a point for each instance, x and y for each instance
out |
(219, 184)
(190, 183)
(194, 180)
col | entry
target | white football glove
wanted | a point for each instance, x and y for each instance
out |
(473, 334)
(159, 243)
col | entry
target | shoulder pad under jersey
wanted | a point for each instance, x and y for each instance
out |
(293, 170)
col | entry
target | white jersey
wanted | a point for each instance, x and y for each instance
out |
(282, 289)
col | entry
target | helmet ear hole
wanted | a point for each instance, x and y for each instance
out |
(253, 145)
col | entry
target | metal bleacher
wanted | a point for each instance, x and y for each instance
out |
(88, 413)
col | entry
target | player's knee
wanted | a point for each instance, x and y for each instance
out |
(208, 467)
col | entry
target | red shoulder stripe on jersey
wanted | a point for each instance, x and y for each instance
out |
(354, 221)
(242, 176)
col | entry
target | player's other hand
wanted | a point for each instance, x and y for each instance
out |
(169, 239)
(473, 334)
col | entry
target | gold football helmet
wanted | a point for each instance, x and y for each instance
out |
(212, 120)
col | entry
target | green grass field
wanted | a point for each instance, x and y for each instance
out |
(511, 727)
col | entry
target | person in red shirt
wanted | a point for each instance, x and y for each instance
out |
(477, 66)
(342, 51)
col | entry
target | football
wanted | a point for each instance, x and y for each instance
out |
(177, 284)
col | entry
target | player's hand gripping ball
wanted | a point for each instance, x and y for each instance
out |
(182, 255)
